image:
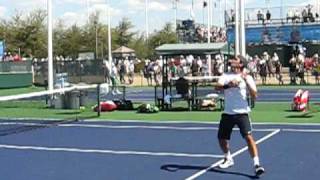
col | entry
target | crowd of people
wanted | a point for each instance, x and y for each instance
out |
(183, 66)
(217, 34)
(11, 57)
(269, 66)
(295, 15)
(306, 15)
(266, 68)
(189, 32)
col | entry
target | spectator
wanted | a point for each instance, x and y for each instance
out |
(278, 68)
(195, 68)
(260, 17)
(146, 72)
(114, 79)
(16, 57)
(300, 68)
(268, 16)
(263, 70)
(122, 71)
(106, 71)
(233, 15)
(316, 69)
(252, 66)
(292, 69)
(304, 15)
(266, 36)
(131, 72)
(317, 16)
(310, 15)
(296, 16)
(156, 72)
(290, 15)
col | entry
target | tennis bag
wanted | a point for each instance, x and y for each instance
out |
(147, 108)
(300, 101)
(124, 104)
(106, 106)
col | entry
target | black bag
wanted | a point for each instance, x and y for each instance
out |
(124, 104)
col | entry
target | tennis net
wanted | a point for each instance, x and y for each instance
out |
(30, 111)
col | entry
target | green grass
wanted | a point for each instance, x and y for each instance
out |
(263, 112)
(13, 91)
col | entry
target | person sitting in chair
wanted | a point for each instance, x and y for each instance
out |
(182, 87)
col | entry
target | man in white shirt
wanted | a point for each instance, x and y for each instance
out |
(235, 86)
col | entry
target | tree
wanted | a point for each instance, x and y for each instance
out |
(164, 36)
(30, 35)
(123, 30)
(73, 40)
(140, 45)
(59, 39)
(27, 34)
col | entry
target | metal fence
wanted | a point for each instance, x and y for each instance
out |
(15, 67)
(89, 71)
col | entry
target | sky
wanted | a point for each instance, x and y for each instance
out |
(160, 11)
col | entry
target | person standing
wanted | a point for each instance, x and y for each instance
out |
(131, 72)
(114, 79)
(235, 85)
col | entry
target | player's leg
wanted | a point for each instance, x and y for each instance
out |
(225, 129)
(244, 125)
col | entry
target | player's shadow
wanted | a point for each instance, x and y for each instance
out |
(177, 167)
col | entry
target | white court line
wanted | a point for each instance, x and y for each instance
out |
(194, 176)
(168, 122)
(107, 151)
(125, 127)
(199, 122)
(302, 130)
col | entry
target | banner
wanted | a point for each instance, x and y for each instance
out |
(1, 49)
(279, 34)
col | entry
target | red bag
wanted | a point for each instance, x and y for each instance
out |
(106, 106)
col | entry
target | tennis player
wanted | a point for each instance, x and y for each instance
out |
(235, 85)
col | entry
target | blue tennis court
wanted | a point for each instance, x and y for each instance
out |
(137, 150)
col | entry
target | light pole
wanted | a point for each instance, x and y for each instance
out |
(147, 19)
(96, 29)
(175, 8)
(88, 13)
(242, 30)
(236, 28)
(281, 9)
(50, 49)
(208, 22)
(109, 36)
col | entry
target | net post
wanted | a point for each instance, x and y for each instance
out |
(98, 100)
(124, 93)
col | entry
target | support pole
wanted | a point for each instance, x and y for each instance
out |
(109, 37)
(50, 48)
(242, 30)
(236, 28)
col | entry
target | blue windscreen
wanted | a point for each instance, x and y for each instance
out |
(279, 34)
(1, 49)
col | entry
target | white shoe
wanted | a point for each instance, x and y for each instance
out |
(258, 170)
(226, 163)
(118, 92)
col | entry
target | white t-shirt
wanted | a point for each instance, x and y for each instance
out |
(235, 98)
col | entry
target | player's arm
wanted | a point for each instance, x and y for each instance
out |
(219, 86)
(222, 84)
(251, 85)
